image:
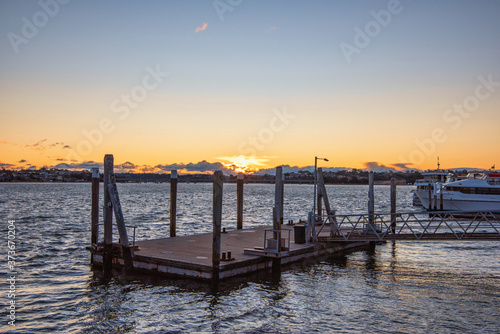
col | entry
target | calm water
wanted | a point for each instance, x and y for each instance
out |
(403, 287)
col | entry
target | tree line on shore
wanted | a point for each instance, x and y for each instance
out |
(348, 176)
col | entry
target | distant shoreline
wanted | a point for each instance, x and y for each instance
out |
(201, 182)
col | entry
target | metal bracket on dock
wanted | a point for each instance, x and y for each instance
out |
(273, 248)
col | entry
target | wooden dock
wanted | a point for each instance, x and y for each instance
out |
(190, 256)
(221, 255)
(209, 256)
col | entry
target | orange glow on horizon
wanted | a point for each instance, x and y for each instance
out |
(243, 164)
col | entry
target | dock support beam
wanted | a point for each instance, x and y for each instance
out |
(393, 205)
(173, 202)
(319, 204)
(371, 198)
(94, 231)
(217, 223)
(120, 223)
(324, 197)
(239, 201)
(108, 215)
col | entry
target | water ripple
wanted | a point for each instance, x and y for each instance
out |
(408, 287)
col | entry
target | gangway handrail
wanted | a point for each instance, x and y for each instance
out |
(419, 225)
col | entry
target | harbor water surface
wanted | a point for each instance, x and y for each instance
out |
(401, 287)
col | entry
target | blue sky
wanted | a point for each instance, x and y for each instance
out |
(262, 55)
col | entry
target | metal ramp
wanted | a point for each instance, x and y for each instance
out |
(420, 226)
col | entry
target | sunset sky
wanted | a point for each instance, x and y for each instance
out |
(196, 85)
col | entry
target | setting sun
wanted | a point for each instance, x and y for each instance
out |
(243, 164)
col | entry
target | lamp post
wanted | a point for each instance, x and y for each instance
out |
(315, 181)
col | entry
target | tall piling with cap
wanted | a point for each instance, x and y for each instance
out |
(441, 204)
(278, 217)
(282, 210)
(218, 182)
(278, 197)
(108, 214)
(239, 201)
(173, 202)
(94, 231)
(371, 198)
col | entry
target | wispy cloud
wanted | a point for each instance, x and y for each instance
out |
(43, 144)
(39, 145)
(127, 166)
(203, 27)
(200, 167)
(376, 167)
(4, 165)
(22, 161)
(79, 165)
(273, 28)
(403, 166)
(3, 142)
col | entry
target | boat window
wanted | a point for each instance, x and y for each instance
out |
(478, 191)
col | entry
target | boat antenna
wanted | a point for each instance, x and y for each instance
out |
(438, 163)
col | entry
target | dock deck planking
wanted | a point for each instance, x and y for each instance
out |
(197, 249)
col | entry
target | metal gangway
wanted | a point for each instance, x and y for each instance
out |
(420, 226)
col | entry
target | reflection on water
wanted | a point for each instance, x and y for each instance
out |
(410, 287)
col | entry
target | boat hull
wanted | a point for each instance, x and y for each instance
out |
(462, 202)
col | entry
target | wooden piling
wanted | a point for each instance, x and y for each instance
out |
(108, 214)
(371, 198)
(393, 205)
(276, 269)
(430, 198)
(278, 217)
(435, 202)
(278, 198)
(94, 211)
(217, 223)
(239, 201)
(173, 202)
(282, 198)
(441, 205)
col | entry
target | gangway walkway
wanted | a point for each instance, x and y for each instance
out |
(423, 226)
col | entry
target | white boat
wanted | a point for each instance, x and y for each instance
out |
(430, 179)
(478, 192)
